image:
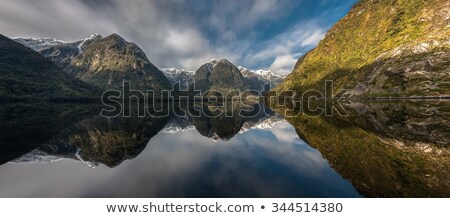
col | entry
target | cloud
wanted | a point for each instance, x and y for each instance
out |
(282, 51)
(283, 64)
(178, 33)
(314, 38)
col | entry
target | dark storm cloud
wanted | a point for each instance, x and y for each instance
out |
(183, 33)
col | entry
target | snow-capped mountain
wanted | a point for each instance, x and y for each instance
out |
(58, 51)
(104, 62)
(62, 53)
(266, 123)
(39, 44)
(37, 156)
(94, 36)
(178, 124)
(207, 126)
(262, 75)
(41, 157)
(255, 78)
(174, 75)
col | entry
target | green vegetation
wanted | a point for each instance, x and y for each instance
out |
(375, 36)
(385, 150)
(108, 62)
(110, 141)
(26, 75)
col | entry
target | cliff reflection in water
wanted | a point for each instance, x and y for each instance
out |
(386, 149)
(96, 139)
(390, 149)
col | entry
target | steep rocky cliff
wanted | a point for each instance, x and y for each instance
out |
(382, 48)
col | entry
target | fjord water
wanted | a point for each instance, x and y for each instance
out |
(377, 150)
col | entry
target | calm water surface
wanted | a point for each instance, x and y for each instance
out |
(70, 151)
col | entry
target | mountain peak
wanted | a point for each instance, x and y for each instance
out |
(225, 61)
(95, 35)
(115, 37)
(113, 40)
(109, 61)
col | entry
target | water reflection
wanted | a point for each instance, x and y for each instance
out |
(380, 150)
(386, 149)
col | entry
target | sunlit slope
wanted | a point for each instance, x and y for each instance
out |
(382, 48)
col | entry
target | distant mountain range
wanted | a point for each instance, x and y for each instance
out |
(224, 76)
(184, 77)
(105, 62)
(258, 78)
(255, 79)
(39, 44)
(108, 61)
(380, 49)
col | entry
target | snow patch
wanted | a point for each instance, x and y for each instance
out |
(89, 163)
(92, 37)
(39, 44)
(177, 129)
(37, 156)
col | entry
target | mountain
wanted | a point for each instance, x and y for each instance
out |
(25, 74)
(382, 48)
(64, 53)
(185, 77)
(39, 44)
(257, 79)
(107, 62)
(225, 76)
(220, 75)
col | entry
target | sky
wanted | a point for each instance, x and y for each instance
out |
(257, 34)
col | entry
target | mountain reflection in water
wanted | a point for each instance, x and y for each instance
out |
(379, 150)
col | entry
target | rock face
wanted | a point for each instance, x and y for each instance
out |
(107, 63)
(382, 48)
(25, 74)
(62, 54)
(258, 80)
(220, 75)
(225, 76)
